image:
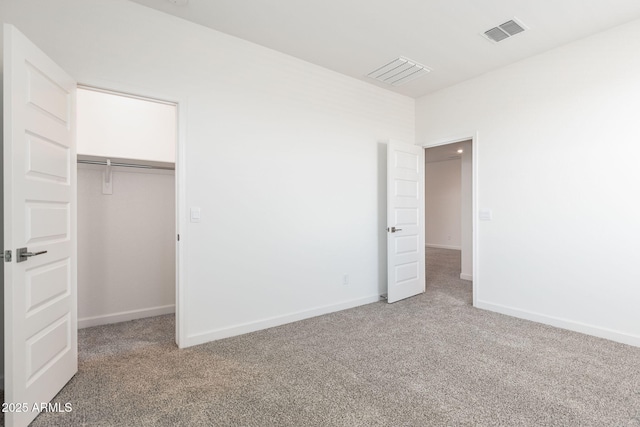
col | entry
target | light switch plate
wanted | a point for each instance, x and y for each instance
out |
(195, 214)
(486, 215)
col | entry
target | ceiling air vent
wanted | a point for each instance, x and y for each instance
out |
(399, 71)
(504, 31)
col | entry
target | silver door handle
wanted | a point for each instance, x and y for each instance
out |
(28, 254)
(393, 229)
(24, 254)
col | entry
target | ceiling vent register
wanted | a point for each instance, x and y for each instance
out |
(399, 71)
(504, 31)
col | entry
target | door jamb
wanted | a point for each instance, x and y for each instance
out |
(180, 186)
(473, 136)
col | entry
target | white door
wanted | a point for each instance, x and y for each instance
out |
(41, 352)
(405, 219)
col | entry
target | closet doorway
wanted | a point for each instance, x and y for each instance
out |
(127, 232)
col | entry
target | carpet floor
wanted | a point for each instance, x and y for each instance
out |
(430, 360)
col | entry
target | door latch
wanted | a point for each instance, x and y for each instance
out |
(7, 255)
(23, 254)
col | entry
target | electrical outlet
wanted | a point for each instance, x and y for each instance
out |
(345, 279)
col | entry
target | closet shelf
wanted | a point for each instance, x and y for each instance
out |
(127, 163)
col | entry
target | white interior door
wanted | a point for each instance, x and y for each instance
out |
(405, 219)
(41, 352)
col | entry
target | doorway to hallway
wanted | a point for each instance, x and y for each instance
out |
(448, 201)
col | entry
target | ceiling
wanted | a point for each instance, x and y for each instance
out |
(445, 152)
(354, 37)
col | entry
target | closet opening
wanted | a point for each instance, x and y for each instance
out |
(127, 228)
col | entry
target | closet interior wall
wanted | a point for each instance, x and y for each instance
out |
(126, 245)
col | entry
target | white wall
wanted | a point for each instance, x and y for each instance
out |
(110, 125)
(281, 156)
(442, 204)
(126, 245)
(558, 153)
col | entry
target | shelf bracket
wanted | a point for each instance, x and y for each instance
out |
(107, 181)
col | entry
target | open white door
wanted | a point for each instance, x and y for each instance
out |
(405, 219)
(41, 352)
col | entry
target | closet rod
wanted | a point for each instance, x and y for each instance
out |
(125, 165)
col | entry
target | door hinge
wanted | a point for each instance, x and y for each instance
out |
(7, 255)
(178, 237)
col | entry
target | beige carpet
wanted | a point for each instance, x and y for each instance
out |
(431, 360)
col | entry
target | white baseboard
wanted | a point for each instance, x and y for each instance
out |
(464, 276)
(558, 322)
(433, 245)
(124, 316)
(244, 328)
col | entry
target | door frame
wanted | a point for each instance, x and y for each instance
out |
(473, 136)
(180, 101)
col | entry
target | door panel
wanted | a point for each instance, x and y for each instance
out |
(405, 214)
(39, 214)
(47, 160)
